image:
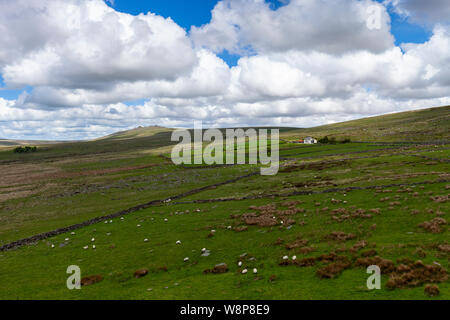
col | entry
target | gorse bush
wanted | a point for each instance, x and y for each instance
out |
(26, 149)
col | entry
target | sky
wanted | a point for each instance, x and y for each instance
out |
(81, 69)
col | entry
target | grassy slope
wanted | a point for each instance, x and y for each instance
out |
(420, 125)
(69, 183)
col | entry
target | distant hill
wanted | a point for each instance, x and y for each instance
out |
(415, 126)
(11, 143)
(139, 132)
(419, 125)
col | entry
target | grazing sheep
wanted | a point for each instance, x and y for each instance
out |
(255, 271)
(244, 271)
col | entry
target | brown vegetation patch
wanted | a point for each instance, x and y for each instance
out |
(444, 247)
(369, 253)
(265, 220)
(297, 244)
(241, 228)
(341, 236)
(219, 268)
(268, 215)
(87, 281)
(415, 274)
(291, 203)
(386, 266)
(431, 290)
(440, 199)
(305, 250)
(315, 165)
(342, 214)
(140, 273)
(306, 262)
(334, 269)
(434, 226)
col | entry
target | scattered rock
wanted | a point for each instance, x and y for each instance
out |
(206, 253)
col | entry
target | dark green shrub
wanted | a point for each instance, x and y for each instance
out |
(26, 149)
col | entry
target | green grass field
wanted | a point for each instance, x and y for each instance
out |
(336, 207)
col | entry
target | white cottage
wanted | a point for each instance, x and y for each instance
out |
(309, 140)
